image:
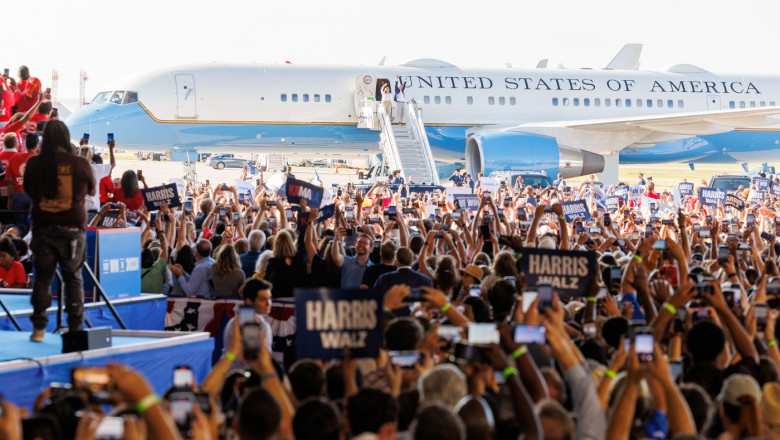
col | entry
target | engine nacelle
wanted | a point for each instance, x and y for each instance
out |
(487, 152)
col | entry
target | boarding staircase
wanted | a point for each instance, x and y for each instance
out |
(404, 147)
(275, 162)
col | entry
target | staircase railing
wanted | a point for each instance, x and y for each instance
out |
(390, 155)
(414, 117)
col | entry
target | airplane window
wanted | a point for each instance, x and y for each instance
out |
(565, 102)
(752, 104)
(618, 102)
(628, 103)
(586, 102)
(649, 103)
(469, 100)
(102, 97)
(131, 97)
(607, 102)
(670, 103)
(555, 102)
(771, 103)
(576, 102)
(316, 97)
(639, 103)
(294, 97)
(502, 100)
(284, 97)
(763, 104)
(732, 104)
(437, 99)
(448, 100)
(741, 104)
(305, 97)
(597, 102)
(512, 101)
(117, 97)
(491, 100)
(327, 98)
(660, 103)
(680, 103)
(427, 100)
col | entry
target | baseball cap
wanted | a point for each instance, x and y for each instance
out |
(738, 386)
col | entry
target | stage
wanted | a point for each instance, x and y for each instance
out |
(141, 312)
(26, 368)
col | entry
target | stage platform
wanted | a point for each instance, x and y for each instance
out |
(142, 312)
(26, 368)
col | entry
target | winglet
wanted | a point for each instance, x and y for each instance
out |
(745, 167)
(627, 58)
(542, 64)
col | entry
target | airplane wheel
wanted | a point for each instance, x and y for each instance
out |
(221, 166)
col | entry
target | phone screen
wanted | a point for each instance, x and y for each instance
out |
(181, 412)
(246, 315)
(483, 333)
(404, 359)
(182, 377)
(705, 233)
(475, 290)
(530, 334)
(528, 298)
(86, 137)
(111, 138)
(110, 428)
(723, 254)
(545, 296)
(643, 343)
(659, 245)
(391, 210)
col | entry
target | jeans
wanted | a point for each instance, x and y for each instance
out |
(21, 202)
(66, 246)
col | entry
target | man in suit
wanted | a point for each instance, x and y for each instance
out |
(404, 274)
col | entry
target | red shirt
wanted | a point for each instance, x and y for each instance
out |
(5, 159)
(15, 274)
(16, 168)
(8, 102)
(24, 102)
(133, 204)
(106, 186)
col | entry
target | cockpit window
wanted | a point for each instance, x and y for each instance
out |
(117, 97)
(101, 97)
(131, 97)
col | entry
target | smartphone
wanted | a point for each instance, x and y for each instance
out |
(271, 222)
(467, 353)
(250, 333)
(530, 334)
(85, 137)
(761, 313)
(475, 290)
(544, 291)
(222, 211)
(750, 219)
(111, 138)
(615, 275)
(705, 233)
(659, 245)
(723, 254)
(482, 333)
(241, 197)
(449, 332)
(648, 230)
(732, 297)
(638, 221)
(182, 377)
(589, 328)
(181, 407)
(246, 315)
(236, 216)
(521, 214)
(486, 196)
(405, 359)
(408, 211)
(607, 219)
(675, 370)
(511, 279)
(110, 428)
(643, 343)
(595, 230)
(392, 210)
(484, 231)
(415, 295)
(94, 380)
(578, 227)
(6, 72)
(703, 289)
(528, 299)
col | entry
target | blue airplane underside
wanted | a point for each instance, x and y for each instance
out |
(731, 147)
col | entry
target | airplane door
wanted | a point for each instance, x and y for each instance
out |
(713, 102)
(185, 96)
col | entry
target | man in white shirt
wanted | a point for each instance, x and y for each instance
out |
(256, 293)
(400, 101)
(99, 171)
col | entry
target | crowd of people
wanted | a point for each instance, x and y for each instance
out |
(674, 335)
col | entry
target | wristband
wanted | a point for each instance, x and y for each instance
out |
(265, 377)
(147, 402)
(672, 309)
(771, 343)
(446, 307)
(523, 349)
(609, 373)
(731, 275)
(592, 299)
(230, 356)
(508, 371)
(637, 258)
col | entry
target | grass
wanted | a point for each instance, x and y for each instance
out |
(668, 175)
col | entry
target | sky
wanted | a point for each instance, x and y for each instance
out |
(111, 38)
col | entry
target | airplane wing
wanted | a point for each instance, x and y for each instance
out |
(606, 136)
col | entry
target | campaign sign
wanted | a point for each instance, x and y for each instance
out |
(489, 184)
(181, 185)
(330, 320)
(569, 272)
(118, 270)
(467, 201)
(686, 188)
(756, 196)
(577, 208)
(637, 191)
(621, 191)
(711, 196)
(762, 183)
(612, 203)
(157, 195)
(107, 220)
(275, 185)
(735, 202)
(297, 189)
(774, 189)
(326, 212)
(450, 192)
(245, 186)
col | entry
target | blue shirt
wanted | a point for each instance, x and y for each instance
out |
(352, 272)
(199, 283)
(248, 262)
(404, 275)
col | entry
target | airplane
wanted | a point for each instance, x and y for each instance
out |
(573, 121)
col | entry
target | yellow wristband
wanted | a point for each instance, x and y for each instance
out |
(771, 343)
(521, 350)
(592, 299)
(609, 373)
(147, 402)
(670, 308)
(230, 356)
(637, 258)
(446, 307)
(508, 371)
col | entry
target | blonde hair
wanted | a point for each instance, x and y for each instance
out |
(227, 261)
(284, 246)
